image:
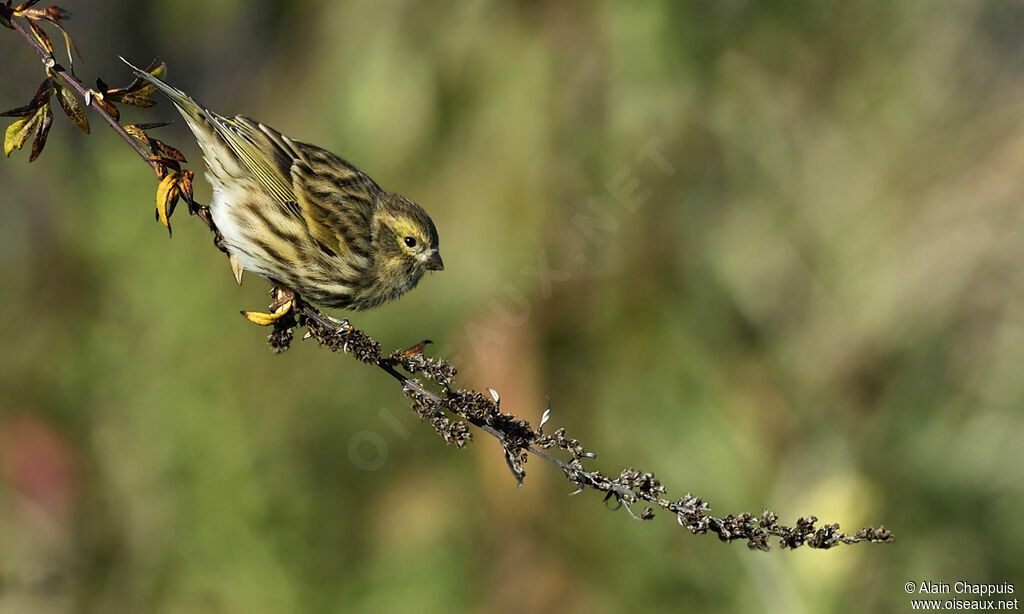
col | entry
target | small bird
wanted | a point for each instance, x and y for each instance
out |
(304, 218)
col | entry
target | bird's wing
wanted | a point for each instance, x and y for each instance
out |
(264, 152)
(335, 199)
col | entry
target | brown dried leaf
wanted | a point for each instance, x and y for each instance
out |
(40, 98)
(136, 131)
(41, 36)
(165, 151)
(159, 167)
(131, 99)
(166, 197)
(414, 350)
(158, 69)
(22, 111)
(139, 130)
(185, 188)
(42, 131)
(106, 106)
(152, 125)
(72, 108)
(43, 92)
(53, 14)
(138, 91)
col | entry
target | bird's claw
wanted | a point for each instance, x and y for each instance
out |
(343, 324)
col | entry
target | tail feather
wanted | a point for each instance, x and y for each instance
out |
(188, 107)
(230, 145)
(209, 128)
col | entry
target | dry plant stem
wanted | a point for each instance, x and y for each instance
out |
(448, 410)
(59, 72)
(516, 436)
(54, 69)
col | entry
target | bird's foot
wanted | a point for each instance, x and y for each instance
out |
(343, 324)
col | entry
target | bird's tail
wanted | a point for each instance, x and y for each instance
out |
(211, 132)
(188, 107)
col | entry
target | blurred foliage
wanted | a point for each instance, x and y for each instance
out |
(819, 310)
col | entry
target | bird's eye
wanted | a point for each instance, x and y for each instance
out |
(410, 241)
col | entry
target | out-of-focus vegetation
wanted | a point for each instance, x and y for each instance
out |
(817, 307)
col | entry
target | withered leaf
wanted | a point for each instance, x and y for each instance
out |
(41, 36)
(40, 98)
(138, 91)
(165, 158)
(266, 319)
(43, 91)
(414, 350)
(130, 98)
(160, 167)
(53, 14)
(167, 194)
(136, 131)
(158, 69)
(107, 107)
(42, 131)
(152, 125)
(22, 111)
(71, 107)
(185, 188)
(139, 130)
(165, 151)
(18, 132)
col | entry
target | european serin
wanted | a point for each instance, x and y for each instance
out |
(303, 217)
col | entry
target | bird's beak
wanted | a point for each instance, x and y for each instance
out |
(434, 262)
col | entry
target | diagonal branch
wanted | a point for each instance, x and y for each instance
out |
(89, 95)
(94, 100)
(518, 438)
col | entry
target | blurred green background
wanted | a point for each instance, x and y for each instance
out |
(789, 251)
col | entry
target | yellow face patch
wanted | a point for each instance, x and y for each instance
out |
(405, 227)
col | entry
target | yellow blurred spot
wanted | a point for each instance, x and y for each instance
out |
(850, 500)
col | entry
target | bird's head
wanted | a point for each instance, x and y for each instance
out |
(405, 240)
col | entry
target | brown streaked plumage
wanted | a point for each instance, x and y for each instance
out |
(305, 218)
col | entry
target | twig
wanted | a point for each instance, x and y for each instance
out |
(93, 99)
(517, 436)
(87, 94)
